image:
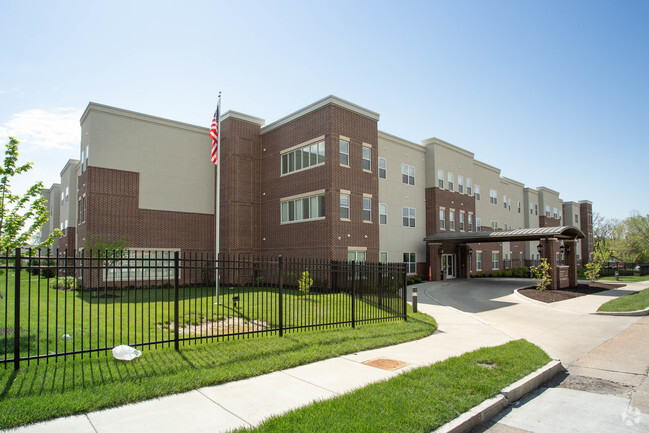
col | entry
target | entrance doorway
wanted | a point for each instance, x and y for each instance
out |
(448, 266)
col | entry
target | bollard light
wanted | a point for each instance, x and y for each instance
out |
(414, 299)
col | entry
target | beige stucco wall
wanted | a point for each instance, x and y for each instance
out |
(176, 173)
(394, 237)
(68, 194)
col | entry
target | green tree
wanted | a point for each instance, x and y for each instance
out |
(637, 236)
(104, 248)
(542, 274)
(601, 254)
(305, 282)
(21, 216)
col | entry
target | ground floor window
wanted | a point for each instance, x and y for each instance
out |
(302, 209)
(495, 259)
(478, 261)
(410, 259)
(383, 257)
(356, 256)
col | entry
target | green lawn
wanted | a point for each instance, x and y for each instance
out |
(71, 386)
(417, 401)
(92, 319)
(633, 302)
(629, 279)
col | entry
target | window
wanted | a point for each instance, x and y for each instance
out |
(505, 201)
(344, 206)
(62, 197)
(451, 180)
(407, 174)
(85, 208)
(460, 184)
(470, 222)
(408, 216)
(367, 209)
(149, 265)
(468, 186)
(303, 158)
(451, 220)
(576, 218)
(461, 221)
(383, 213)
(383, 168)
(495, 259)
(554, 213)
(410, 259)
(478, 225)
(477, 192)
(519, 207)
(440, 178)
(494, 225)
(80, 211)
(493, 196)
(536, 209)
(478, 261)
(303, 209)
(87, 154)
(67, 192)
(442, 219)
(344, 152)
(509, 204)
(383, 257)
(356, 256)
(367, 158)
(547, 210)
(531, 209)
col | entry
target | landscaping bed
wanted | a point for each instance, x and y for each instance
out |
(549, 296)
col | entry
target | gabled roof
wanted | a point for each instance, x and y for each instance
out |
(531, 234)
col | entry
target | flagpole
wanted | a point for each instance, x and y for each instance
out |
(217, 217)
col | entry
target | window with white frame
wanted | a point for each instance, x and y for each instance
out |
(356, 255)
(143, 264)
(442, 219)
(303, 208)
(451, 220)
(460, 184)
(383, 168)
(367, 209)
(478, 261)
(462, 221)
(519, 207)
(531, 209)
(344, 206)
(547, 210)
(576, 218)
(470, 222)
(303, 158)
(407, 174)
(408, 216)
(505, 201)
(554, 213)
(383, 213)
(495, 260)
(509, 204)
(440, 179)
(367, 158)
(383, 257)
(468, 186)
(478, 225)
(536, 209)
(494, 225)
(477, 192)
(410, 259)
(451, 181)
(344, 152)
(493, 196)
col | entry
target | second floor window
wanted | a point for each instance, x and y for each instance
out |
(408, 217)
(367, 158)
(383, 168)
(344, 152)
(344, 206)
(407, 174)
(303, 158)
(367, 209)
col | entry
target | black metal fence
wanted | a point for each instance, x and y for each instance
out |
(624, 269)
(84, 304)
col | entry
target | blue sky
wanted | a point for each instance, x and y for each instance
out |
(554, 93)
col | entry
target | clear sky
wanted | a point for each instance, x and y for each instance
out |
(554, 93)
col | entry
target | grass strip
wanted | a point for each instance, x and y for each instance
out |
(627, 278)
(633, 302)
(67, 387)
(421, 400)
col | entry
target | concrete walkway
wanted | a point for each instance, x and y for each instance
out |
(565, 331)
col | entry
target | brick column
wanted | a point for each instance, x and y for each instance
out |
(435, 261)
(550, 249)
(571, 260)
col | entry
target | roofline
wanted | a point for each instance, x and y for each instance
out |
(93, 106)
(529, 234)
(446, 144)
(487, 166)
(70, 162)
(331, 99)
(243, 116)
(388, 136)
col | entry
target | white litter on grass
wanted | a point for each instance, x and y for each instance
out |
(68, 336)
(125, 353)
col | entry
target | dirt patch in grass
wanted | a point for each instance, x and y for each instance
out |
(219, 327)
(549, 296)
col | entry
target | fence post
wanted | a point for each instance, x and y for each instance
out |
(353, 293)
(405, 292)
(17, 310)
(176, 312)
(281, 296)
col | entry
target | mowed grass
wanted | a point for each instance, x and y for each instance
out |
(56, 321)
(633, 302)
(74, 386)
(417, 401)
(628, 278)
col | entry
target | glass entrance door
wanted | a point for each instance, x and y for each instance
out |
(448, 266)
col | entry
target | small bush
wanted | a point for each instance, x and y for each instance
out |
(417, 280)
(64, 283)
(305, 282)
(411, 281)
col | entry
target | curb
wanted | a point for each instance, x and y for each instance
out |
(491, 407)
(623, 313)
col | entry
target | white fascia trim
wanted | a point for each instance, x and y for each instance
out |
(436, 141)
(548, 190)
(93, 106)
(242, 116)
(331, 99)
(513, 182)
(399, 140)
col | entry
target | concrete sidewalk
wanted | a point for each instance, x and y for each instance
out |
(248, 402)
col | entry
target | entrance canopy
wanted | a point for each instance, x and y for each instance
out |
(532, 234)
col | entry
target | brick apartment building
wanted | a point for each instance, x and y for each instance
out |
(322, 182)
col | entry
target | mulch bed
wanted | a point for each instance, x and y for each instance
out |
(549, 296)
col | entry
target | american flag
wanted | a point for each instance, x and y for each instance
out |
(214, 134)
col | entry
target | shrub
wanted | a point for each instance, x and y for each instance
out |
(542, 273)
(417, 280)
(64, 283)
(305, 282)
(411, 281)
